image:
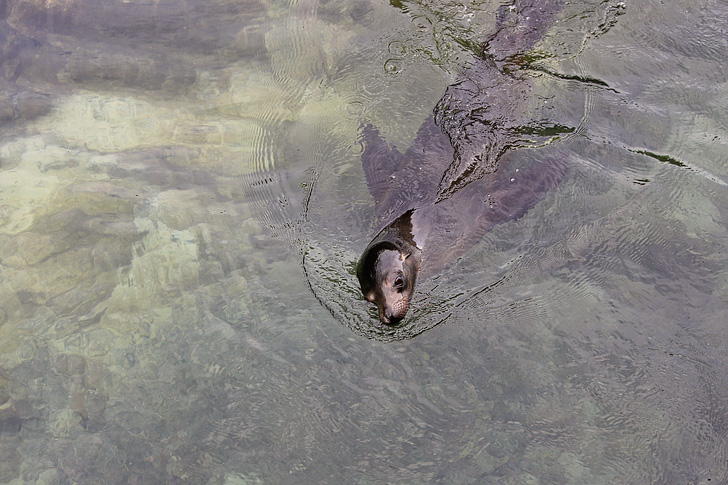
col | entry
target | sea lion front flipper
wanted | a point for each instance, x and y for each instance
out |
(379, 160)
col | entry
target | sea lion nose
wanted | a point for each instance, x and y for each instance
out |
(388, 317)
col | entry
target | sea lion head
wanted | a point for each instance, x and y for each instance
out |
(387, 274)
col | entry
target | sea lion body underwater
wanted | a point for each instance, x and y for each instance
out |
(434, 202)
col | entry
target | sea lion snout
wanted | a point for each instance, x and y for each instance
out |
(391, 315)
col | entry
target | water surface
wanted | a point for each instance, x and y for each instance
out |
(182, 203)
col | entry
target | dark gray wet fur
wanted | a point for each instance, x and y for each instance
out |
(440, 197)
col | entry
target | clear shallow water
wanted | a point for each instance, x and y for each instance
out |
(175, 181)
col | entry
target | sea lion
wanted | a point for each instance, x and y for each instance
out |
(442, 195)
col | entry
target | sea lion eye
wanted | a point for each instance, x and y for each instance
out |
(399, 282)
